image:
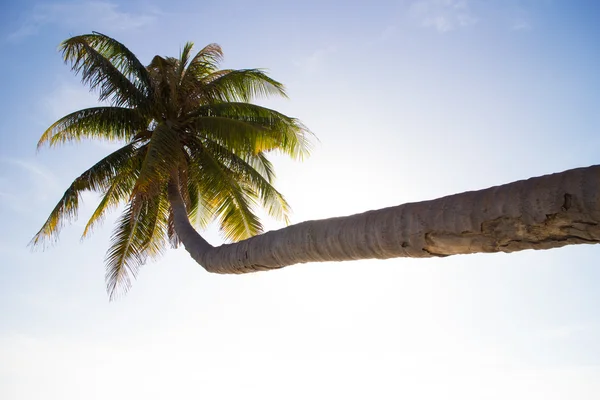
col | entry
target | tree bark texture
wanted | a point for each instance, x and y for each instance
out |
(538, 213)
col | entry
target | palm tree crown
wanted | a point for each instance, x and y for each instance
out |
(185, 125)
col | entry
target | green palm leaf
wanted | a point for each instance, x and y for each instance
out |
(97, 178)
(107, 66)
(123, 59)
(231, 200)
(204, 63)
(243, 85)
(140, 233)
(263, 128)
(271, 200)
(182, 63)
(108, 123)
(162, 158)
(119, 191)
(163, 73)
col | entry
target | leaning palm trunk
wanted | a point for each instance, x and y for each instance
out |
(538, 213)
(196, 145)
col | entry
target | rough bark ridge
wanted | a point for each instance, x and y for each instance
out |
(538, 213)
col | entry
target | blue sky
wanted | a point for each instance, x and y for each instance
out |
(410, 100)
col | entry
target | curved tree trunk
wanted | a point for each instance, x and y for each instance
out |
(538, 213)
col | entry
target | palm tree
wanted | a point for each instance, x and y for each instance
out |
(193, 141)
(195, 150)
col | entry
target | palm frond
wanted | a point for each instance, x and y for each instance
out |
(288, 132)
(184, 60)
(123, 59)
(204, 63)
(236, 219)
(242, 136)
(242, 124)
(119, 192)
(108, 123)
(107, 66)
(163, 73)
(196, 207)
(110, 200)
(126, 252)
(263, 166)
(179, 75)
(156, 244)
(271, 199)
(243, 85)
(200, 212)
(163, 156)
(96, 178)
(231, 201)
(139, 234)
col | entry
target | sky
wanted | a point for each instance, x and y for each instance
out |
(410, 100)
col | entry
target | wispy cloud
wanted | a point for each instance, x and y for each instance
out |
(520, 18)
(99, 14)
(521, 24)
(36, 172)
(384, 35)
(32, 185)
(443, 15)
(316, 59)
(66, 98)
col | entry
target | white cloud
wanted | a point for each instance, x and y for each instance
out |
(443, 15)
(80, 16)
